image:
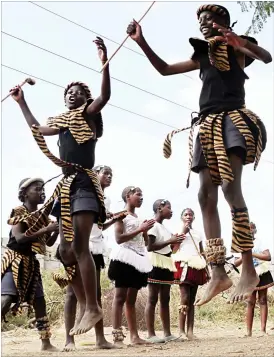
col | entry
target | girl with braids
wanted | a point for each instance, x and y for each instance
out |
(261, 259)
(97, 250)
(20, 269)
(129, 265)
(80, 193)
(162, 275)
(230, 136)
(190, 272)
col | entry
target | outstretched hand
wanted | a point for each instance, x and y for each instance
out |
(102, 50)
(134, 30)
(229, 37)
(17, 93)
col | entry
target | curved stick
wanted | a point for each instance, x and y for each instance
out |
(30, 81)
(107, 62)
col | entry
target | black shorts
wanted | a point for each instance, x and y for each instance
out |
(266, 281)
(8, 286)
(82, 197)
(233, 142)
(126, 276)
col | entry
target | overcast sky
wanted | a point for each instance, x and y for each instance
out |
(131, 145)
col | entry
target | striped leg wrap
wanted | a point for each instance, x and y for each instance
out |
(242, 239)
(63, 281)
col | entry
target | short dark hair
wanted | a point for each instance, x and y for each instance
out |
(187, 209)
(100, 168)
(82, 85)
(127, 190)
(158, 203)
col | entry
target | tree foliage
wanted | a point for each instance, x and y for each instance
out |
(262, 11)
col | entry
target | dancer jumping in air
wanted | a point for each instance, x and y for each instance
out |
(261, 259)
(97, 248)
(191, 271)
(81, 199)
(161, 277)
(230, 136)
(20, 269)
(129, 265)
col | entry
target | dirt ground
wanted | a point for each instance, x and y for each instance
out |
(222, 340)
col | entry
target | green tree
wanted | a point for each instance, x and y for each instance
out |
(262, 11)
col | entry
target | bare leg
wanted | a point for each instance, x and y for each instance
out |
(250, 313)
(131, 317)
(82, 225)
(185, 300)
(263, 309)
(40, 313)
(233, 195)
(153, 291)
(68, 258)
(6, 301)
(164, 309)
(117, 308)
(191, 312)
(70, 315)
(101, 341)
(208, 198)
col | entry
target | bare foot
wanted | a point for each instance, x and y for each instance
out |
(89, 320)
(139, 341)
(262, 334)
(248, 334)
(78, 320)
(105, 345)
(69, 347)
(191, 337)
(218, 283)
(47, 346)
(245, 287)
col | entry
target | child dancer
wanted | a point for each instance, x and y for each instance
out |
(129, 265)
(20, 269)
(81, 196)
(261, 257)
(230, 136)
(191, 271)
(97, 250)
(162, 275)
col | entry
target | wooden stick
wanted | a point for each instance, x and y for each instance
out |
(107, 62)
(27, 80)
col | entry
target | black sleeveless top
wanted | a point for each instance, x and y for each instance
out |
(23, 248)
(71, 151)
(221, 90)
(81, 154)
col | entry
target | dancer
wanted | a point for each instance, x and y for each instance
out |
(191, 271)
(230, 136)
(20, 269)
(162, 275)
(129, 265)
(97, 249)
(261, 259)
(80, 192)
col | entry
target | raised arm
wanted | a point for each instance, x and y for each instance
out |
(98, 104)
(19, 233)
(165, 69)
(265, 255)
(122, 237)
(174, 240)
(18, 96)
(242, 45)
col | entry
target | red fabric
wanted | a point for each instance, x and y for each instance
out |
(193, 276)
